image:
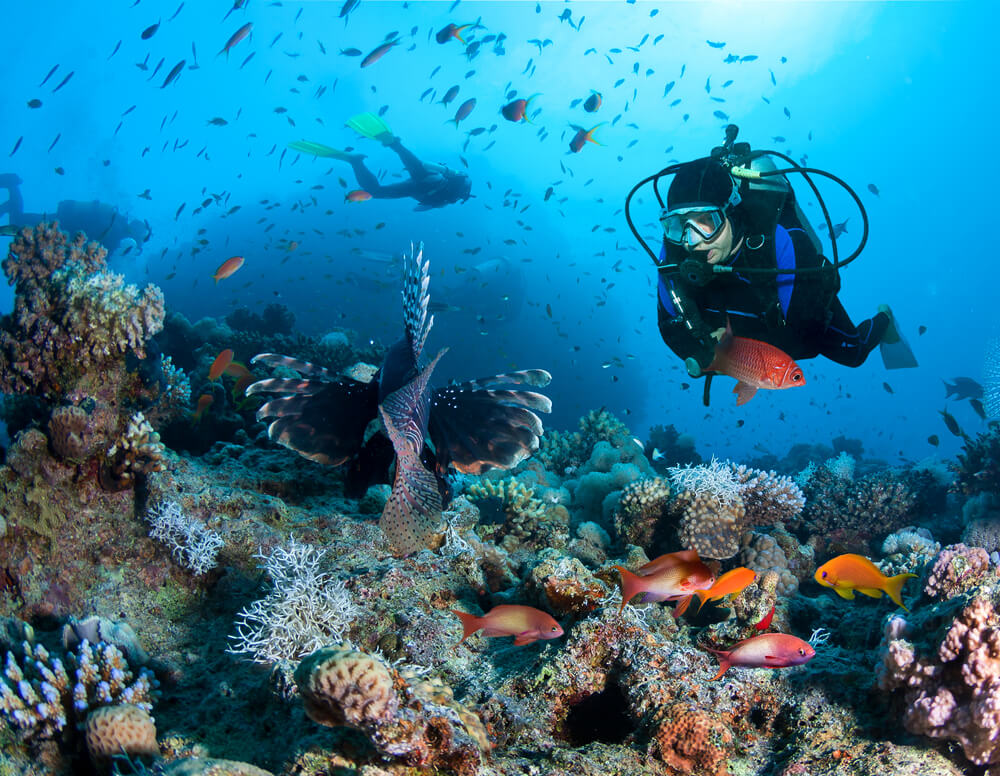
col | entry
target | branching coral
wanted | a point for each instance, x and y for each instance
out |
(720, 501)
(513, 510)
(71, 314)
(564, 452)
(955, 695)
(41, 694)
(979, 463)
(138, 452)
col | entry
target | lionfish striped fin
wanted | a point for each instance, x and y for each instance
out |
(537, 378)
(416, 297)
(304, 368)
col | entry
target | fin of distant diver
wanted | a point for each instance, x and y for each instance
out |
(371, 126)
(320, 416)
(412, 515)
(895, 350)
(318, 149)
(476, 425)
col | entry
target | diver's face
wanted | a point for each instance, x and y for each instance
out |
(719, 248)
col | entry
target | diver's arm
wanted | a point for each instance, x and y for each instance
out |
(683, 330)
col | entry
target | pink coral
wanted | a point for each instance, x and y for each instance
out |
(956, 696)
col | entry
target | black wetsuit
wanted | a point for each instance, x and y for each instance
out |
(427, 183)
(800, 314)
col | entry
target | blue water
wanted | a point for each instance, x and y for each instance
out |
(896, 94)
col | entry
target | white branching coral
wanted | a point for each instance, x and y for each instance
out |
(192, 544)
(714, 478)
(307, 609)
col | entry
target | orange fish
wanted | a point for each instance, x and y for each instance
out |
(769, 650)
(525, 623)
(754, 364)
(358, 195)
(204, 402)
(239, 35)
(227, 268)
(582, 136)
(518, 109)
(223, 360)
(239, 390)
(676, 582)
(236, 369)
(731, 582)
(847, 573)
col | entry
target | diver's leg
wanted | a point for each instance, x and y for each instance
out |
(847, 344)
(413, 165)
(14, 206)
(368, 182)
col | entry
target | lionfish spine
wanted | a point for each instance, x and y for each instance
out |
(416, 297)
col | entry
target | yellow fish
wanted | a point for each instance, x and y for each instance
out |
(847, 573)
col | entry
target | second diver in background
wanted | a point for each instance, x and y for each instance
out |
(431, 185)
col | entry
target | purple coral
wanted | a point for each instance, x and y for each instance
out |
(956, 570)
(957, 695)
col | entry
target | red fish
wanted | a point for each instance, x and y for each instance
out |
(239, 35)
(358, 195)
(378, 53)
(464, 110)
(525, 623)
(227, 268)
(765, 623)
(517, 110)
(769, 650)
(582, 136)
(221, 363)
(676, 582)
(668, 561)
(754, 364)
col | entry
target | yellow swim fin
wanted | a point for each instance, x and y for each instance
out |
(371, 126)
(318, 149)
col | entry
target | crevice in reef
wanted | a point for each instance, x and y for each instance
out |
(602, 716)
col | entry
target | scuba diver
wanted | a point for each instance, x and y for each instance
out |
(738, 252)
(98, 220)
(431, 185)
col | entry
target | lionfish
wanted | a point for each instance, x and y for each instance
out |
(471, 426)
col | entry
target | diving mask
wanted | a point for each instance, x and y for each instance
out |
(690, 225)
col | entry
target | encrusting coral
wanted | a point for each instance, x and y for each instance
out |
(124, 729)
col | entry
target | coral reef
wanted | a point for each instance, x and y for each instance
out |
(123, 729)
(191, 544)
(415, 720)
(41, 694)
(511, 515)
(137, 452)
(641, 510)
(957, 570)
(692, 741)
(979, 463)
(954, 693)
(719, 501)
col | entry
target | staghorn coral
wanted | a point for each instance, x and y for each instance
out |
(111, 731)
(641, 508)
(138, 452)
(415, 719)
(956, 693)
(41, 694)
(692, 741)
(71, 315)
(191, 544)
(957, 569)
